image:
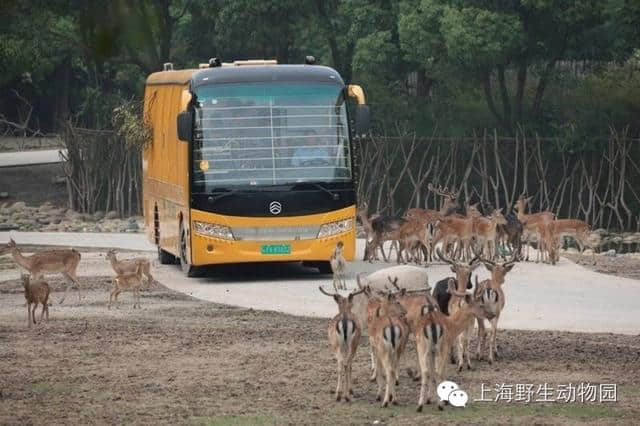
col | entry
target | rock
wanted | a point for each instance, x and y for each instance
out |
(610, 253)
(73, 215)
(4, 195)
(601, 231)
(99, 215)
(8, 226)
(132, 219)
(132, 226)
(572, 250)
(44, 220)
(18, 205)
(111, 215)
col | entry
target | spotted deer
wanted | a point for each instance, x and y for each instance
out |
(436, 334)
(493, 299)
(344, 337)
(64, 261)
(388, 333)
(35, 292)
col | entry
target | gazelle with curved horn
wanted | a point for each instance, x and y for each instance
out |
(344, 337)
(493, 299)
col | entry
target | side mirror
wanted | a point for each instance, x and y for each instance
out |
(185, 126)
(363, 119)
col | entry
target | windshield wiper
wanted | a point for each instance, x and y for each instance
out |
(318, 185)
(221, 193)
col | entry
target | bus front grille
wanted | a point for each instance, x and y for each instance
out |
(275, 233)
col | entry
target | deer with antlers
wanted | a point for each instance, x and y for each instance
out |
(436, 334)
(64, 261)
(344, 337)
(448, 304)
(493, 299)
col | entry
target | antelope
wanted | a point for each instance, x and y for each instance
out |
(127, 281)
(436, 334)
(129, 266)
(484, 229)
(492, 295)
(388, 334)
(344, 337)
(449, 304)
(368, 231)
(34, 293)
(64, 261)
(338, 267)
(535, 223)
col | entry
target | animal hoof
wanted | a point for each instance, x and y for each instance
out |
(378, 398)
(385, 404)
(419, 410)
(440, 407)
(338, 397)
(397, 382)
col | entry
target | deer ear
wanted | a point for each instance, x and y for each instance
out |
(336, 298)
(510, 267)
(453, 269)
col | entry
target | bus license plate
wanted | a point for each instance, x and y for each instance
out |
(275, 249)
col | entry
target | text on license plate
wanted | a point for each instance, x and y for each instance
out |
(275, 249)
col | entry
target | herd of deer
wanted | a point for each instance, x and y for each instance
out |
(416, 235)
(65, 261)
(437, 320)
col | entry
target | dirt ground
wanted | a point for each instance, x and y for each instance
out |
(622, 266)
(181, 360)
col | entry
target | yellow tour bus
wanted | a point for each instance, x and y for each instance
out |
(251, 161)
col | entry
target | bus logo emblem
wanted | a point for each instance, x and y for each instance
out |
(275, 207)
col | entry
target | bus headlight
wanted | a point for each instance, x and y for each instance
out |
(212, 230)
(333, 228)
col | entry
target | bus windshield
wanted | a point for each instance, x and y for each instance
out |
(269, 134)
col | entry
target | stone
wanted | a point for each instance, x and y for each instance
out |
(8, 226)
(99, 215)
(18, 205)
(610, 253)
(72, 215)
(44, 220)
(111, 215)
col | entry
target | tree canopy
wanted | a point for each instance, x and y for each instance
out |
(454, 65)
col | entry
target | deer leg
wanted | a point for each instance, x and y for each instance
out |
(390, 378)
(481, 337)
(29, 314)
(424, 375)
(379, 379)
(44, 306)
(72, 276)
(373, 367)
(340, 379)
(33, 312)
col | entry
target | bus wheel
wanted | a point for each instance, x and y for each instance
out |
(324, 268)
(166, 258)
(187, 269)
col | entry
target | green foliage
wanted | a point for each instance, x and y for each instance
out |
(454, 65)
(129, 125)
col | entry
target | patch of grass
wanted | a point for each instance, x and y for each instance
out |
(234, 421)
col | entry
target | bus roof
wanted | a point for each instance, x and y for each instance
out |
(246, 74)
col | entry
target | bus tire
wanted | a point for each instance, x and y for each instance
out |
(187, 269)
(324, 268)
(166, 258)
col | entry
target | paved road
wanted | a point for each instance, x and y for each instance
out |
(562, 297)
(22, 158)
